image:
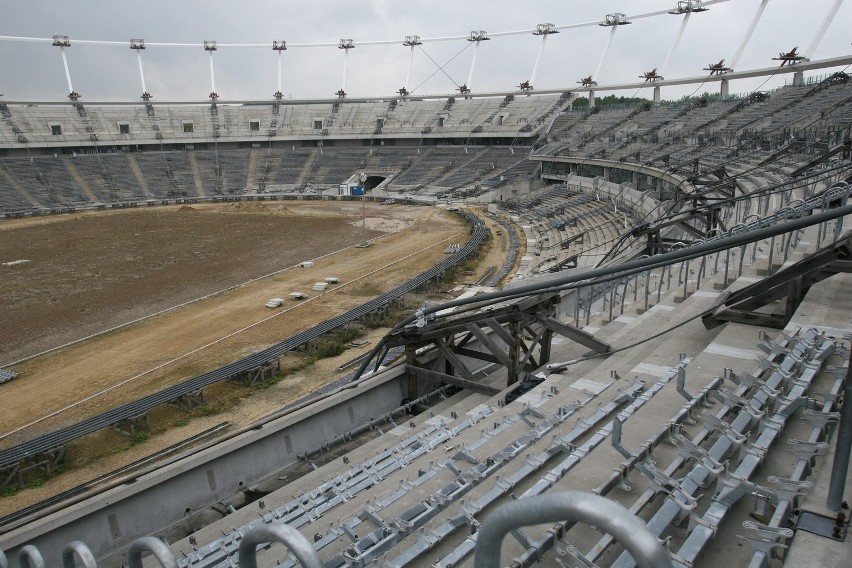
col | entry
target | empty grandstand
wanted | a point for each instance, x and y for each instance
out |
(663, 379)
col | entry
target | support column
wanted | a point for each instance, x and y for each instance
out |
(132, 425)
(656, 96)
(723, 89)
(798, 78)
(843, 446)
(545, 345)
(591, 99)
(189, 401)
(411, 362)
(514, 353)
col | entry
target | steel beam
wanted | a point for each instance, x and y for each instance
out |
(435, 376)
(489, 344)
(582, 337)
(792, 282)
(457, 364)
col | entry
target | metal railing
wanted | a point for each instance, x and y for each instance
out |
(603, 513)
(688, 276)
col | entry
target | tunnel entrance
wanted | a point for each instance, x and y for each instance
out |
(373, 181)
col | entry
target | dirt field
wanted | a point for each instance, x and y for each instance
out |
(87, 273)
(156, 270)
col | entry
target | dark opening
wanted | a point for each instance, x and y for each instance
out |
(373, 181)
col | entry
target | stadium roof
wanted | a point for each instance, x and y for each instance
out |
(378, 65)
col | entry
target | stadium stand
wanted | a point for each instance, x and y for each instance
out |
(47, 126)
(696, 432)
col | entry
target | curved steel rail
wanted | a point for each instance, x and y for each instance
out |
(301, 548)
(603, 513)
(75, 551)
(156, 547)
(514, 245)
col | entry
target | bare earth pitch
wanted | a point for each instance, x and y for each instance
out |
(89, 272)
(118, 267)
(179, 255)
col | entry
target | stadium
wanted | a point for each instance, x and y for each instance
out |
(591, 320)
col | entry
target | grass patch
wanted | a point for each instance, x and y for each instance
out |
(295, 366)
(330, 348)
(37, 482)
(180, 423)
(272, 381)
(141, 437)
(9, 492)
(366, 289)
(390, 319)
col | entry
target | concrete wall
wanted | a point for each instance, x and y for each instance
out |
(151, 502)
(520, 189)
(110, 521)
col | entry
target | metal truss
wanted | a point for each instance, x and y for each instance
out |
(792, 282)
(516, 336)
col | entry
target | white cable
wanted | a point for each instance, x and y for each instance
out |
(410, 65)
(472, 65)
(538, 59)
(606, 50)
(141, 73)
(345, 65)
(822, 29)
(67, 72)
(735, 59)
(676, 42)
(279, 70)
(334, 44)
(212, 76)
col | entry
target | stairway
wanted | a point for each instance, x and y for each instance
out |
(84, 185)
(140, 177)
(196, 174)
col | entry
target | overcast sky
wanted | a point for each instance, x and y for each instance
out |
(33, 71)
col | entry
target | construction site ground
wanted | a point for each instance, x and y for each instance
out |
(231, 245)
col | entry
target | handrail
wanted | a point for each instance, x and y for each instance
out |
(740, 235)
(155, 546)
(301, 548)
(603, 513)
(82, 552)
(30, 557)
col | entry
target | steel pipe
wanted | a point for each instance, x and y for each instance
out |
(843, 448)
(572, 506)
(153, 545)
(82, 552)
(301, 548)
(30, 557)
